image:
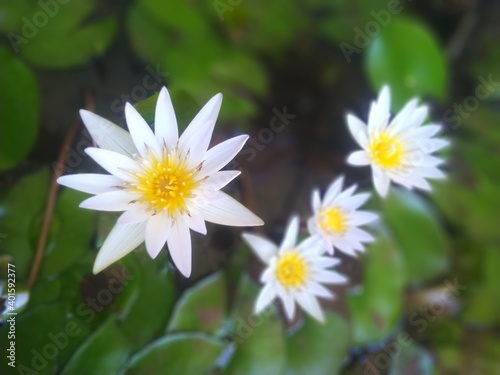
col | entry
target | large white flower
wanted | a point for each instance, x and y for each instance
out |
(336, 219)
(398, 150)
(165, 184)
(294, 273)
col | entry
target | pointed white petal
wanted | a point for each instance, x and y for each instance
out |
(334, 189)
(329, 277)
(362, 217)
(382, 111)
(346, 194)
(195, 222)
(220, 179)
(430, 172)
(117, 200)
(121, 240)
(91, 183)
(360, 235)
(221, 154)
(108, 135)
(354, 202)
(318, 290)
(262, 247)
(359, 158)
(291, 234)
(166, 130)
(179, 246)
(227, 211)
(381, 181)
(265, 297)
(420, 134)
(358, 130)
(117, 164)
(315, 200)
(196, 137)
(327, 262)
(141, 133)
(416, 119)
(157, 230)
(399, 122)
(134, 215)
(288, 302)
(419, 182)
(311, 305)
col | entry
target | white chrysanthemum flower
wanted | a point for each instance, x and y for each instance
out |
(166, 184)
(399, 150)
(336, 219)
(294, 273)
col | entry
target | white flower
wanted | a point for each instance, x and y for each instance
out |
(294, 273)
(399, 150)
(335, 220)
(165, 184)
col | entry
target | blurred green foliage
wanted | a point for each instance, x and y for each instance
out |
(136, 317)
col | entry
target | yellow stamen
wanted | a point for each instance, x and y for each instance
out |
(386, 151)
(332, 220)
(291, 270)
(165, 183)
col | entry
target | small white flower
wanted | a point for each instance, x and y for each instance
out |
(294, 273)
(335, 220)
(399, 150)
(166, 184)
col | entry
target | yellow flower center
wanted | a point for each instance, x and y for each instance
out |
(291, 270)
(386, 151)
(166, 183)
(332, 220)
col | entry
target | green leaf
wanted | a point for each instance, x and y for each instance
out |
(18, 212)
(318, 349)
(61, 41)
(19, 110)
(377, 307)
(149, 315)
(202, 307)
(412, 357)
(183, 353)
(411, 69)
(417, 234)
(104, 352)
(260, 342)
(73, 234)
(11, 13)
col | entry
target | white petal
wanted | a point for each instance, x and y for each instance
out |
(346, 194)
(354, 202)
(360, 235)
(329, 277)
(220, 179)
(108, 135)
(166, 130)
(359, 158)
(327, 262)
(265, 297)
(334, 189)
(117, 200)
(420, 134)
(262, 247)
(399, 122)
(311, 305)
(431, 145)
(423, 160)
(157, 231)
(196, 137)
(419, 182)
(430, 172)
(91, 183)
(416, 119)
(221, 154)
(227, 211)
(291, 234)
(358, 130)
(121, 240)
(141, 133)
(319, 290)
(315, 200)
(362, 217)
(134, 215)
(179, 246)
(288, 302)
(381, 181)
(195, 221)
(380, 113)
(117, 164)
